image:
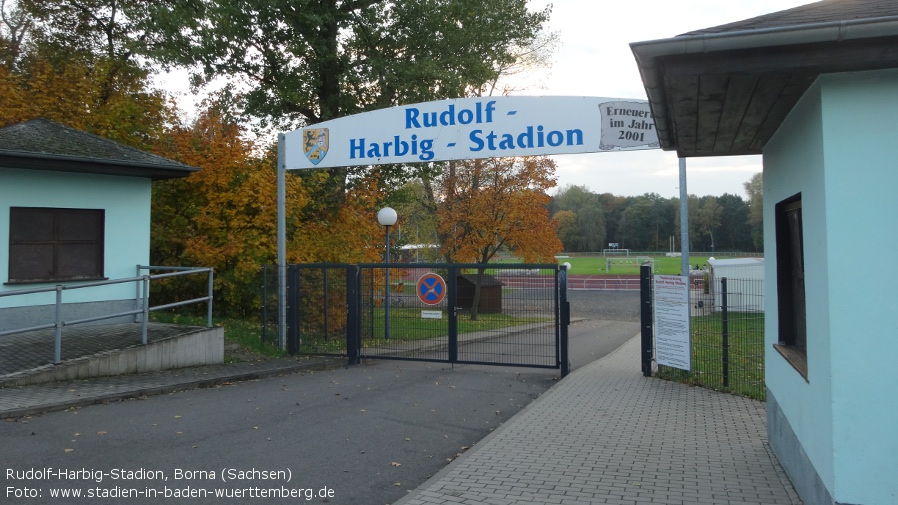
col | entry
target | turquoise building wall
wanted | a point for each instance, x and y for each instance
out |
(835, 433)
(127, 229)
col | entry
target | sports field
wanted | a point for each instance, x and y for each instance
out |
(595, 265)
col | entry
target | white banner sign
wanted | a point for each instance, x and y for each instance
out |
(673, 345)
(472, 128)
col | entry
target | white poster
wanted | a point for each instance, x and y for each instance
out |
(673, 343)
(473, 128)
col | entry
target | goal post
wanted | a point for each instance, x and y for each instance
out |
(615, 252)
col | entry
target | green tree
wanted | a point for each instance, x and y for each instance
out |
(692, 204)
(15, 26)
(735, 232)
(573, 198)
(71, 61)
(754, 188)
(418, 219)
(100, 27)
(307, 61)
(708, 218)
(613, 208)
(591, 223)
(590, 218)
(661, 221)
(636, 224)
(567, 230)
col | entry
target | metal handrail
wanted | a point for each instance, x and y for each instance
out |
(142, 299)
(48, 289)
(178, 271)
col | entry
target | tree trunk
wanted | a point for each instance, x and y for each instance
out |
(478, 289)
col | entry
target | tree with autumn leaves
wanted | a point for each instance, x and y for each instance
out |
(77, 62)
(494, 205)
(484, 207)
(307, 62)
(71, 62)
(225, 215)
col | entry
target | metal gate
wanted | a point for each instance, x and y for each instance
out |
(497, 314)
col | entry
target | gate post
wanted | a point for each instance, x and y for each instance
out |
(292, 310)
(353, 314)
(451, 306)
(564, 321)
(725, 333)
(645, 298)
(326, 301)
(264, 306)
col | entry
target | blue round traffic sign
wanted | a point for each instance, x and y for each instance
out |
(431, 289)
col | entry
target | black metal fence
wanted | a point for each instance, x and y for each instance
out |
(268, 282)
(726, 318)
(318, 296)
(511, 315)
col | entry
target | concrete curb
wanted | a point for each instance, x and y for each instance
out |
(139, 387)
(202, 346)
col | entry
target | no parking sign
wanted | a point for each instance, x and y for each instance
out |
(431, 289)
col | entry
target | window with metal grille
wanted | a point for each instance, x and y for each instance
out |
(47, 244)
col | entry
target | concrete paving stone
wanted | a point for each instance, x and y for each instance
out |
(607, 428)
(604, 434)
(576, 501)
(661, 500)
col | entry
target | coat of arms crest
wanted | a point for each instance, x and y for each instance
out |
(315, 144)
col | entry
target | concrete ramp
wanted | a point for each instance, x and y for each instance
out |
(107, 350)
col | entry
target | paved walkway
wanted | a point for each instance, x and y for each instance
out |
(605, 434)
(17, 401)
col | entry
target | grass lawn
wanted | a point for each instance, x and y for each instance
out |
(746, 354)
(594, 265)
(246, 333)
(407, 323)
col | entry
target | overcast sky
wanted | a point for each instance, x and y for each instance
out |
(595, 59)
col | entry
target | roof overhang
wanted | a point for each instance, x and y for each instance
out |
(57, 163)
(726, 94)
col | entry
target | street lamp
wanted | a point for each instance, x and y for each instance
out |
(387, 218)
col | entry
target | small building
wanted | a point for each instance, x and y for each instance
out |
(813, 89)
(419, 253)
(490, 293)
(745, 283)
(74, 208)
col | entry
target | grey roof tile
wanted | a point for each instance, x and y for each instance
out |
(59, 144)
(825, 11)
